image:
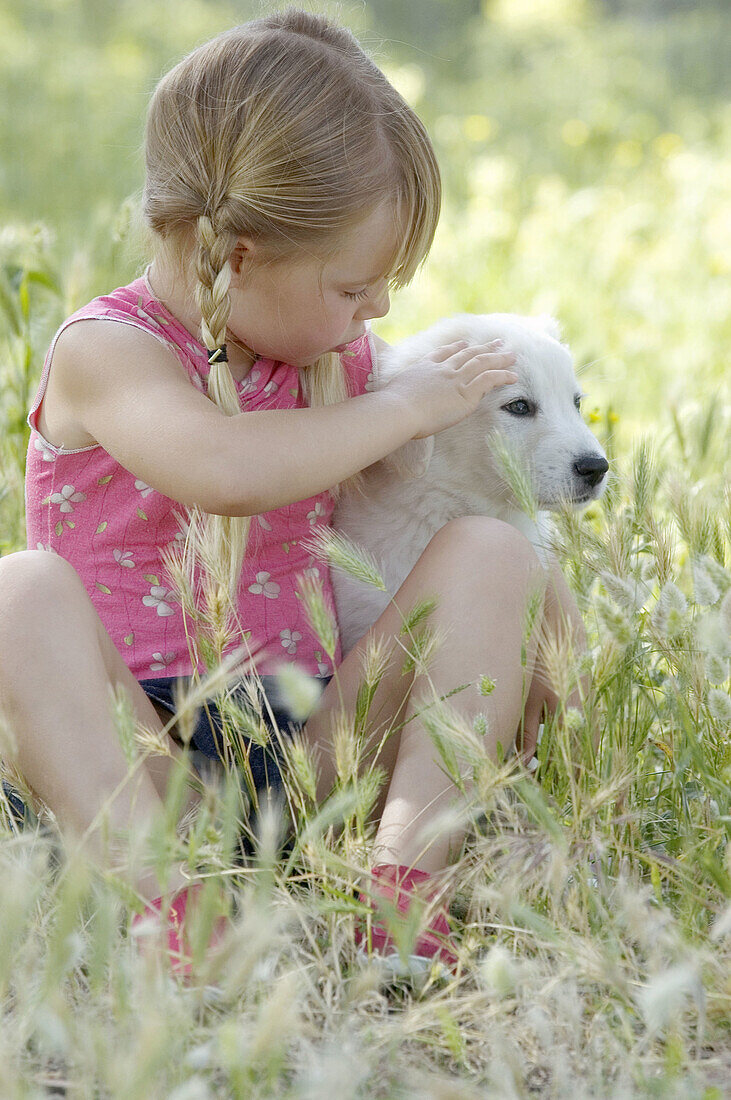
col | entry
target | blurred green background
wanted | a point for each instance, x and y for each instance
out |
(584, 146)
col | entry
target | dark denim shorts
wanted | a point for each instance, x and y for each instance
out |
(206, 743)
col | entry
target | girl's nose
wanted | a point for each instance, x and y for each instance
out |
(376, 307)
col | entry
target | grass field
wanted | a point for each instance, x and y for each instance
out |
(587, 174)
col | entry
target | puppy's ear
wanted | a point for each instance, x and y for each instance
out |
(549, 325)
(412, 460)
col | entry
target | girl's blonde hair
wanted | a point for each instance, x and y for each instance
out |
(281, 129)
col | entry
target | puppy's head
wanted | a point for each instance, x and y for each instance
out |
(538, 418)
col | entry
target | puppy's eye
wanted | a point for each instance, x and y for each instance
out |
(577, 401)
(520, 408)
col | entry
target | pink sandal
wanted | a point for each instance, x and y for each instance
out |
(178, 946)
(433, 945)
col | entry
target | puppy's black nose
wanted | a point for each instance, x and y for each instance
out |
(591, 468)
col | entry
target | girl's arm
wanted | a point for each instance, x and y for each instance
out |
(135, 399)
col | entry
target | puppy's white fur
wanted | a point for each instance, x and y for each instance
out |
(414, 491)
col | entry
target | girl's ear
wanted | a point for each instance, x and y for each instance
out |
(412, 460)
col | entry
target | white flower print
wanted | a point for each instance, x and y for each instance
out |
(316, 512)
(183, 525)
(161, 662)
(42, 446)
(195, 350)
(121, 558)
(290, 639)
(66, 496)
(263, 522)
(146, 317)
(144, 489)
(175, 542)
(265, 586)
(249, 383)
(271, 387)
(43, 546)
(157, 599)
(313, 571)
(370, 382)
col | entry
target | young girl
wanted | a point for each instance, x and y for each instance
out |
(288, 187)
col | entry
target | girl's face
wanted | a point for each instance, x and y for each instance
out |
(295, 311)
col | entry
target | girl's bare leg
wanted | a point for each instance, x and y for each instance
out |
(483, 612)
(486, 614)
(57, 665)
(481, 570)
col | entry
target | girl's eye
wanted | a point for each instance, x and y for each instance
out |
(356, 295)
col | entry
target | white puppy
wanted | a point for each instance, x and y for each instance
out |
(414, 491)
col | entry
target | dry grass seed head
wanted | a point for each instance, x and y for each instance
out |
(559, 659)
(342, 553)
(347, 755)
(319, 616)
(376, 658)
(664, 548)
(421, 648)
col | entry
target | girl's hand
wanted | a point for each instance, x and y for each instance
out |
(442, 395)
(563, 620)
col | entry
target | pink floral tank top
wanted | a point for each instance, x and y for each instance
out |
(85, 506)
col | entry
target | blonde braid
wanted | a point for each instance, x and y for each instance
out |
(222, 540)
(226, 536)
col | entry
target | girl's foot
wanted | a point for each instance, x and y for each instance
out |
(399, 885)
(178, 945)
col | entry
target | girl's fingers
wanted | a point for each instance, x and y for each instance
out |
(526, 747)
(472, 362)
(447, 350)
(487, 380)
(530, 738)
(474, 351)
(498, 376)
(464, 348)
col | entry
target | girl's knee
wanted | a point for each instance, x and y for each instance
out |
(31, 579)
(484, 540)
